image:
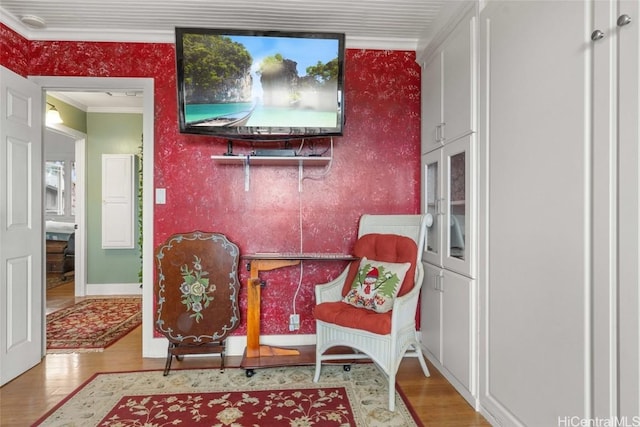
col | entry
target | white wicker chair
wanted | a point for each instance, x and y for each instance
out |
(386, 351)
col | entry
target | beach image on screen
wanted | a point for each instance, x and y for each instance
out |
(260, 81)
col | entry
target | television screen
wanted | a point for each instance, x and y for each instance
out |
(253, 84)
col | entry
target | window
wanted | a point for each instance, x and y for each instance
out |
(60, 186)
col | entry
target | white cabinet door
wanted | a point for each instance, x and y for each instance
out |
(458, 82)
(432, 204)
(457, 324)
(458, 207)
(449, 87)
(616, 311)
(430, 311)
(629, 215)
(448, 195)
(432, 104)
(536, 258)
(447, 319)
(118, 201)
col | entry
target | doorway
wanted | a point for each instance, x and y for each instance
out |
(64, 206)
(145, 86)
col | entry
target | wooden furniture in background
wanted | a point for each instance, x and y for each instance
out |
(197, 293)
(257, 355)
(55, 255)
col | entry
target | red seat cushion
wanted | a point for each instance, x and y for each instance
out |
(343, 314)
(379, 247)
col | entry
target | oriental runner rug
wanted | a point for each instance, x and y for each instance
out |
(92, 324)
(285, 396)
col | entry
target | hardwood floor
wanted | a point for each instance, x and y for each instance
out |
(28, 397)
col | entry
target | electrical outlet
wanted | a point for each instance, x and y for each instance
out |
(294, 322)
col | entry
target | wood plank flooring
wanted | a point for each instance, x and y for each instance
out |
(28, 397)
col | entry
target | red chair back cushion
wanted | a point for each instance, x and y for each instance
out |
(387, 248)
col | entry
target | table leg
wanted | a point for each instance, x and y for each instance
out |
(254, 349)
(253, 318)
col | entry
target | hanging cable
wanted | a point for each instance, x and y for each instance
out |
(327, 168)
(295, 295)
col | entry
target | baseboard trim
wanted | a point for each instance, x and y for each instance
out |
(460, 388)
(113, 289)
(236, 344)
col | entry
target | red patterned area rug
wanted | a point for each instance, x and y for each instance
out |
(207, 397)
(92, 324)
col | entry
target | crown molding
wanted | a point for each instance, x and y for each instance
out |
(378, 43)
(14, 23)
(449, 17)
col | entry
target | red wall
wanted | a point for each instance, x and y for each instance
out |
(14, 51)
(376, 166)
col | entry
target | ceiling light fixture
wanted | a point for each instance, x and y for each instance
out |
(53, 115)
(33, 21)
(126, 93)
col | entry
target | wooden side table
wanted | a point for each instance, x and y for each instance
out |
(256, 355)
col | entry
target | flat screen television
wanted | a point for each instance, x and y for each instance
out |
(241, 84)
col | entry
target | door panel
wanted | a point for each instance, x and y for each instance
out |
(21, 238)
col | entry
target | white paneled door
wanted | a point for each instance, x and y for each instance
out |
(117, 201)
(21, 276)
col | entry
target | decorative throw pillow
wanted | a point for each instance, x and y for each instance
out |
(376, 285)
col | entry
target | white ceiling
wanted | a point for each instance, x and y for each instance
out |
(370, 24)
(385, 24)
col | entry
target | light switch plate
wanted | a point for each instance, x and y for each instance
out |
(161, 196)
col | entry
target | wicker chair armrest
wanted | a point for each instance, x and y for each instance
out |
(405, 307)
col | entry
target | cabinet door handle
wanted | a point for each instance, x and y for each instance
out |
(597, 35)
(623, 20)
(438, 137)
(442, 137)
(437, 285)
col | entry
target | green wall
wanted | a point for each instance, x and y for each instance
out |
(109, 133)
(71, 116)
